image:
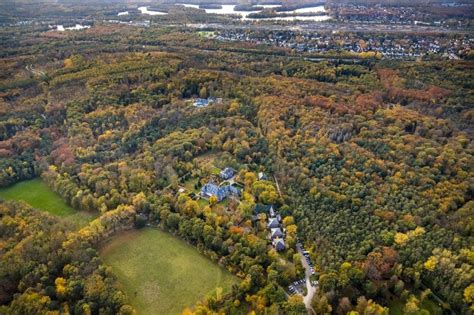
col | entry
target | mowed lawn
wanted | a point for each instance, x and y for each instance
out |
(38, 195)
(162, 274)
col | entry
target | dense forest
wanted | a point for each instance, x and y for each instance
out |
(374, 160)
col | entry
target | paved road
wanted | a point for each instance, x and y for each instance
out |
(311, 290)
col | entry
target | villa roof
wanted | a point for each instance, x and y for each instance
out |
(227, 173)
(276, 232)
(279, 244)
(273, 223)
(211, 189)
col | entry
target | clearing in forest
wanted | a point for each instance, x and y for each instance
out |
(162, 274)
(38, 195)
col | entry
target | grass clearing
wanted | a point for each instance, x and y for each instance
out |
(189, 185)
(396, 307)
(216, 171)
(207, 157)
(203, 202)
(38, 195)
(162, 274)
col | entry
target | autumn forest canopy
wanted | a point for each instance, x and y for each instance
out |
(366, 160)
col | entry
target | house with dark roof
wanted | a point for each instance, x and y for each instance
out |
(273, 223)
(227, 173)
(201, 102)
(271, 211)
(279, 244)
(211, 189)
(262, 176)
(276, 233)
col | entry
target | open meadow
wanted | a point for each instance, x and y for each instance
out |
(38, 195)
(162, 274)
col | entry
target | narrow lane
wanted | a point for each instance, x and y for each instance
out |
(310, 289)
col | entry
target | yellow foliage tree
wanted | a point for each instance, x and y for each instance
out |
(291, 229)
(469, 295)
(68, 63)
(61, 288)
(213, 200)
(289, 220)
(187, 311)
(401, 238)
(431, 263)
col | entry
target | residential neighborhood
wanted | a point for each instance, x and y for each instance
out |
(395, 46)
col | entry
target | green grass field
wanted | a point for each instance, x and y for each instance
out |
(162, 274)
(203, 202)
(396, 307)
(38, 195)
(216, 171)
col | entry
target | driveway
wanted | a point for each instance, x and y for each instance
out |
(311, 290)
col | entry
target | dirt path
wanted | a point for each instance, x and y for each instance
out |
(278, 186)
(33, 71)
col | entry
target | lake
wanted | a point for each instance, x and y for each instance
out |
(144, 10)
(228, 9)
(77, 27)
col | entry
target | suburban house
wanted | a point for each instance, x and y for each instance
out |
(201, 102)
(211, 189)
(227, 173)
(262, 176)
(273, 223)
(279, 244)
(277, 236)
(276, 233)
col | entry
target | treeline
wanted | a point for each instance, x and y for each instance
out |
(44, 268)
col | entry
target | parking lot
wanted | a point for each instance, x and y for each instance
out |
(297, 287)
(306, 256)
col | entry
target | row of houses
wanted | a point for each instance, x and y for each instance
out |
(404, 46)
(277, 233)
